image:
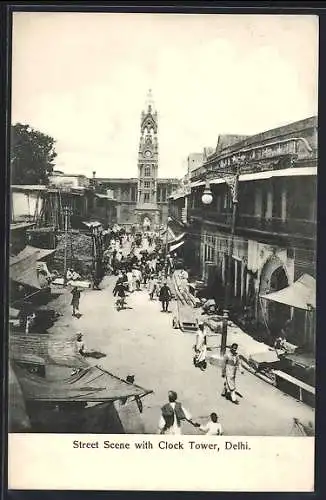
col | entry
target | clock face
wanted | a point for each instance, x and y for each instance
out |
(148, 154)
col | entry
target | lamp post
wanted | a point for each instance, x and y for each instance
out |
(67, 212)
(233, 182)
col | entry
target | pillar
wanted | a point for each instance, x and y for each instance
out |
(242, 279)
(118, 213)
(269, 207)
(235, 289)
(258, 202)
(283, 204)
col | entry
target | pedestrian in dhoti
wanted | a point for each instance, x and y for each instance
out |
(137, 277)
(75, 300)
(231, 364)
(172, 414)
(130, 279)
(200, 348)
(153, 286)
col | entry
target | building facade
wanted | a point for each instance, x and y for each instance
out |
(275, 225)
(142, 201)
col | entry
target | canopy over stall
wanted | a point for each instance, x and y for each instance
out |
(301, 294)
(23, 267)
(53, 351)
(90, 384)
(89, 401)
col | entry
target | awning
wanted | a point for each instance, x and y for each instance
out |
(92, 384)
(32, 253)
(53, 350)
(181, 193)
(301, 294)
(172, 237)
(28, 187)
(93, 224)
(268, 357)
(268, 174)
(171, 234)
(303, 360)
(23, 267)
(104, 197)
(176, 245)
(13, 313)
(198, 183)
(21, 225)
(285, 172)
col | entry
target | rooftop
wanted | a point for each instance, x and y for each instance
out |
(117, 180)
(195, 156)
(268, 135)
(227, 140)
(63, 174)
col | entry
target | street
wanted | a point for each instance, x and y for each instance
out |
(140, 341)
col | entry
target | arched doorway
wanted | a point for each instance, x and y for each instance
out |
(145, 222)
(146, 225)
(273, 278)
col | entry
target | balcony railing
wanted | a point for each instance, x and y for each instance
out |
(292, 226)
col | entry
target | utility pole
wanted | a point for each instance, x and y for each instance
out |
(94, 249)
(66, 211)
(234, 191)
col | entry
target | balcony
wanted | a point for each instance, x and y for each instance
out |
(211, 214)
(289, 227)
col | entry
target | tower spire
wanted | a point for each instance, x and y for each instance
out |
(149, 101)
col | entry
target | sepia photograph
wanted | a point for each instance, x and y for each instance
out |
(162, 268)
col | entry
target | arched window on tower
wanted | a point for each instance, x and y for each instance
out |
(147, 171)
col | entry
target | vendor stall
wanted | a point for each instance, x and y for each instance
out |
(300, 295)
(87, 401)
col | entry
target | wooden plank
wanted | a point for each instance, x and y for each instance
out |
(295, 381)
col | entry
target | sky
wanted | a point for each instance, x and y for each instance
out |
(83, 79)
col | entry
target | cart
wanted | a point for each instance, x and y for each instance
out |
(184, 318)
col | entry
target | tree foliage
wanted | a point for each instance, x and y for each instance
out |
(32, 155)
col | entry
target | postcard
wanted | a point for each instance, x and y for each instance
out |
(162, 268)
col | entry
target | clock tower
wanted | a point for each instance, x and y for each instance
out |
(147, 208)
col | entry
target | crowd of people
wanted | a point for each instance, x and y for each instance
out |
(141, 265)
(144, 266)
